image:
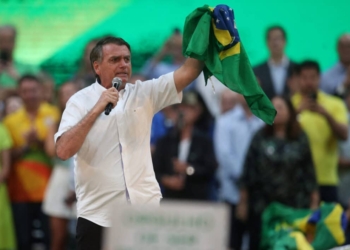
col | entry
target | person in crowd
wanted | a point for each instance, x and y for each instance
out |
(184, 159)
(336, 80)
(172, 48)
(58, 190)
(31, 166)
(7, 231)
(278, 168)
(162, 123)
(273, 73)
(214, 93)
(12, 102)
(85, 75)
(48, 88)
(344, 169)
(233, 133)
(10, 69)
(324, 120)
(229, 100)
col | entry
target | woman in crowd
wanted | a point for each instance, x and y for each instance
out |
(278, 168)
(59, 189)
(184, 159)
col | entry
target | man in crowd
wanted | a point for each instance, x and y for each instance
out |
(31, 166)
(10, 70)
(113, 155)
(324, 120)
(233, 133)
(336, 81)
(273, 74)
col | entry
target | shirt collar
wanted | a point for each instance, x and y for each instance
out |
(98, 88)
(283, 63)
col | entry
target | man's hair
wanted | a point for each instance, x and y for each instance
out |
(309, 64)
(9, 27)
(276, 27)
(97, 53)
(28, 77)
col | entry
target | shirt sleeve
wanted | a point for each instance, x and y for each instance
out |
(5, 138)
(162, 91)
(340, 112)
(70, 117)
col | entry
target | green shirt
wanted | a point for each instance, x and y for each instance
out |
(7, 81)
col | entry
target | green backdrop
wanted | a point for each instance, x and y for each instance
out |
(53, 33)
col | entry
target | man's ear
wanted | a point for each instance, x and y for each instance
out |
(96, 67)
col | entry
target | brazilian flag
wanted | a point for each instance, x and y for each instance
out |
(211, 35)
(286, 228)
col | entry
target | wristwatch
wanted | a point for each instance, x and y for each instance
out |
(190, 170)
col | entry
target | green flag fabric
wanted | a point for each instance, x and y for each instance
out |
(210, 35)
(286, 228)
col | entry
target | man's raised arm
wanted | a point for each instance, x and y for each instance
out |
(187, 73)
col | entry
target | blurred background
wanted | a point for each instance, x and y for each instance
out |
(300, 54)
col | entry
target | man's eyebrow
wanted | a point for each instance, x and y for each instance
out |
(118, 57)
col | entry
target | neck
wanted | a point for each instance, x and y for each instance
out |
(32, 110)
(280, 131)
(247, 111)
(277, 58)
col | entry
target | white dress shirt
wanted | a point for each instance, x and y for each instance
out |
(279, 73)
(114, 164)
(232, 137)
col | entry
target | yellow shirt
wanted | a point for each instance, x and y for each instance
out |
(30, 173)
(323, 142)
(19, 123)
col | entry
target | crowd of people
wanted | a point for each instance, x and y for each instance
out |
(209, 148)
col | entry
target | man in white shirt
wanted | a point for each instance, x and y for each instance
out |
(113, 155)
(273, 73)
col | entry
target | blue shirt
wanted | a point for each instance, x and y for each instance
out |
(232, 137)
(333, 78)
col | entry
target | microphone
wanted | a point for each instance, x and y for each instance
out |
(116, 82)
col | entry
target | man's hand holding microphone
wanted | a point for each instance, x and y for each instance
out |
(109, 98)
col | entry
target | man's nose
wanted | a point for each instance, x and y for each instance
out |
(122, 64)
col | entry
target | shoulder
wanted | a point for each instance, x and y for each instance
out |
(13, 118)
(259, 135)
(49, 109)
(82, 95)
(330, 100)
(329, 72)
(199, 135)
(260, 66)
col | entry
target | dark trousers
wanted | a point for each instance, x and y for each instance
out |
(237, 229)
(254, 227)
(24, 216)
(89, 235)
(328, 193)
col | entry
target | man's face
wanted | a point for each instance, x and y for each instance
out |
(344, 49)
(30, 92)
(116, 62)
(7, 40)
(309, 81)
(276, 42)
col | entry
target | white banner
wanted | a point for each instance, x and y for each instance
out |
(172, 226)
